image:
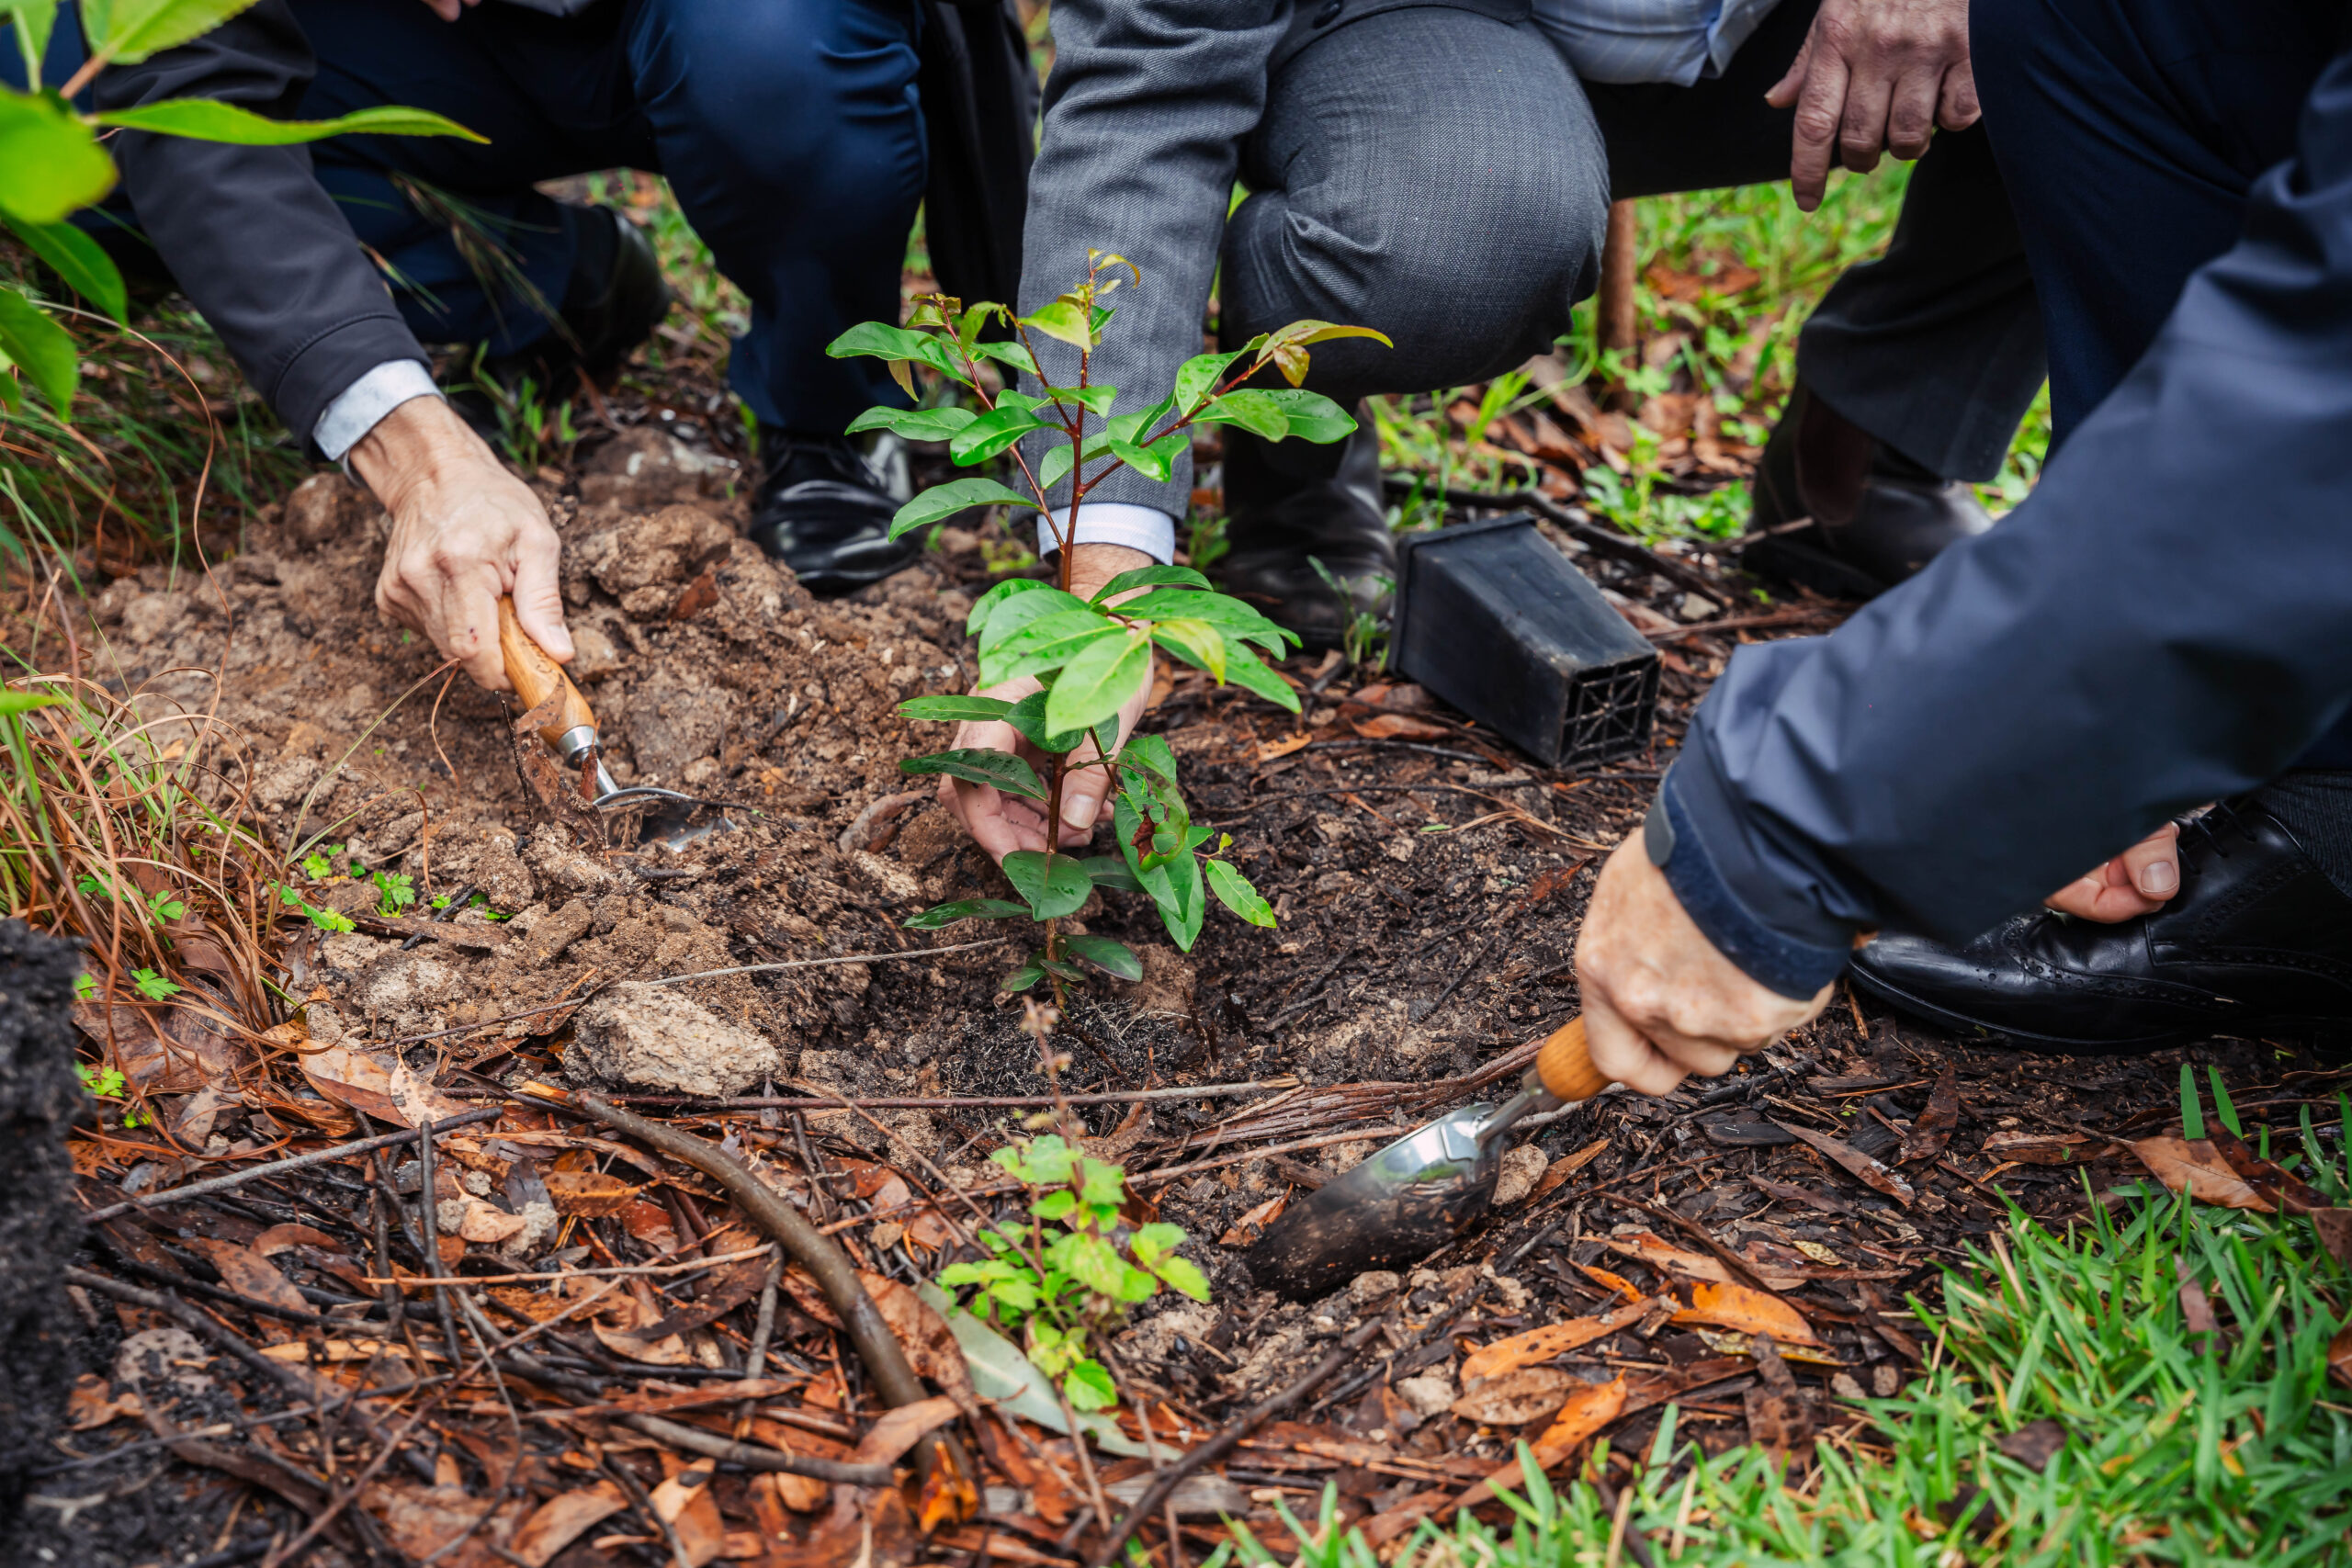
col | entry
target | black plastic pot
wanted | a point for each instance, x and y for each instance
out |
(1492, 617)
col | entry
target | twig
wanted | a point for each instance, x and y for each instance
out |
(204, 1328)
(276, 1167)
(1224, 1443)
(1699, 1233)
(971, 1102)
(752, 1456)
(1608, 543)
(820, 962)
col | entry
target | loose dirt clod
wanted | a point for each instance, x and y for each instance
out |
(650, 1037)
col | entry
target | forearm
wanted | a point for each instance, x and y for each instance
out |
(2168, 620)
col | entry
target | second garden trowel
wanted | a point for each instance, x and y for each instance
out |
(671, 818)
(1420, 1192)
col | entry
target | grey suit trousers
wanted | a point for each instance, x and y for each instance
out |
(1445, 177)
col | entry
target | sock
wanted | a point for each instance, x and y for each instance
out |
(2316, 806)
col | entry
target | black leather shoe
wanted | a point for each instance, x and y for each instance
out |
(615, 299)
(2257, 938)
(1291, 504)
(1877, 517)
(825, 511)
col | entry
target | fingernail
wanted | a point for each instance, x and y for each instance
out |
(1078, 811)
(2158, 879)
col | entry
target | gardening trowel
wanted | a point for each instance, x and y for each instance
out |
(1421, 1191)
(671, 819)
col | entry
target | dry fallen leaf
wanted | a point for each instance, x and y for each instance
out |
(1268, 750)
(1933, 1128)
(1246, 1230)
(900, 1429)
(1400, 726)
(1671, 1259)
(92, 1403)
(249, 1274)
(1778, 1417)
(2193, 1165)
(283, 1238)
(1560, 1170)
(2339, 1356)
(684, 1503)
(1607, 1281)
(591, 1194)
(666, 1352)
(2046, 1148)
(560, 1519)
(1737, 1307)
(1513, 1398)
(1586, 1410)
(929, 1344)
(1820, 1254)
(1862, 1166)
(1539, 1345)
(1731, 1342)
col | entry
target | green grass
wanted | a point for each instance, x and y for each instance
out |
(2183, 1448)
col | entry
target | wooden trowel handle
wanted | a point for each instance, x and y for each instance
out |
(534, 676)
(1565, 1064)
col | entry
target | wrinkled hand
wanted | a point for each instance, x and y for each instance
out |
(1660, 1001)
(464, 532)
(1874, 74)
(2139, 881)
(1000, 823)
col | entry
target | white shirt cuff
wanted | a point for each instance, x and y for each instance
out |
(365, 402)
(1144, 528)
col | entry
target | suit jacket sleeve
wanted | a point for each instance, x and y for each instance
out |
(2165, 622)
(1145, 108)
(247, 232)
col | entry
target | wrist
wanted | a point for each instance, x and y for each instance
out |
(1092, 566)
(418, 446)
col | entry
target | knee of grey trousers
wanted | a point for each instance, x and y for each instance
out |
(1428, 172)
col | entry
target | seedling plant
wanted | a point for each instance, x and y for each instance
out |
(1074, 1270)
(1091, 656)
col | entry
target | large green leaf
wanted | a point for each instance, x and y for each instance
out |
(1130, 426)
(1253, 411)
(1110, 870)
(1028, 716)
(974, 765)
(1149, 577)
(991, 433)
(939, 914)
(1098, 680)
(1114, 957)
(880, 340)
(956, 709)
(50, 162)
(1064, 319)
(211, 120)
(915, 424)
(1247, 671)
(1045, 644)
(1011, 353)
(1198, 375)
(128, 31)
(1158, 460)
(1197, 643)
(942, 502)
(40, 348)
(1311, 415)
(1095, 399)
(1233, 890)
(1023, 600)
(1231, 616)
(32, 21)
(88, 269)
(1054, 885)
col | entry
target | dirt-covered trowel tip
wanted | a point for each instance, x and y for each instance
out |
(647, 1036)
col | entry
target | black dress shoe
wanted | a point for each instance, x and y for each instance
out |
(2257, 938)
(1877, 517)
(1292, 504)
(613, 300)
(825, 511)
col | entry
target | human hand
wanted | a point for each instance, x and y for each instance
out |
(2139, 881)
(1659, 1000)
(464, 532)
(1874, 74)
(1000, 823)
(447, 10)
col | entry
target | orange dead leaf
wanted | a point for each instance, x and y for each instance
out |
(249, 1274)
(1539, 1345)
(1251, 1225)
(560, 1519)
(1399, 726)
(1749, 1311)
(900, 1429)
(2195, 1166)
(92, 1403)
(592, 1194)
(1607, 1281)
(1270, 750)
(1588, 1409)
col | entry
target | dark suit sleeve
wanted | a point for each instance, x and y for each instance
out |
(1145, 108)
(247, 232)
(2167, 621)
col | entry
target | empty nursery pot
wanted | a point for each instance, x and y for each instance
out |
(1495, 619)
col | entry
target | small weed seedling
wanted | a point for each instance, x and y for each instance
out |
(395, 891)
(1094, 1266)
(1091, 656)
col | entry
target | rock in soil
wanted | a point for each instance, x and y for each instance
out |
(650, 1037)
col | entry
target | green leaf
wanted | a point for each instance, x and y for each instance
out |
(1198, 375)
(1148, 577)
(1000, 769)
(1196, 642)
(1069, 972)
(213, 119)
(40, 348)
(1113, 957)
(1102, 1184)
(86, 268)
(1183, 1276)
(1028, 716)
(1311, 415)
(1250, 672)
(1045, 645)
(997, 594)
(1110, 870)
(128, 31)
(1062, 320)
(32, 21)
(50, 162)
(939, 914)
(1054, 885)
(991, 433)
(1174, 887)
(1255, 411)
(1021, 979)
(1011, 353)
(1098, 680)
(951, 709)
(942, 502)
(1233, 890)
(1096, 1264)
(1096, 401)
(1057, 1204)
(1056, 467)
(1130, 425)
(1014, 612)
(1089, 1387)
(915, 424)
(880, 340)
(1152, 753)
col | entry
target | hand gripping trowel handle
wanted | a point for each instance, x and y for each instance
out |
(534, 677)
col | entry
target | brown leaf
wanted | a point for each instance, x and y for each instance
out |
(592, 1194)
(2339, 1356)
(1778, 1417)
(810, 1297)
(714, 1299)
(1933, 1128)
(2034, 1445)
(93, 1404)
(188, 1054)
(686, 1504)
(1268, 750)
(900, 1429)
(2286, 1191)
(700, 595)
(1539, 1345)
(2195, 1166)
(1513, 1398)
(1560, 1170)
(1251, 1225)
(560, 1520)
(2196, 1306)
(1588, 1409)
(1671, 1259)
(929, 1344)
(249, 1274)
(773, 1492)
(669, 1352)
(285, 1238)
(355, 1081)
(1399, 726)
(422, 1520)
(1750, 1312)
(2046, 1148)
(2335, 1227)
(1855, 1163)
